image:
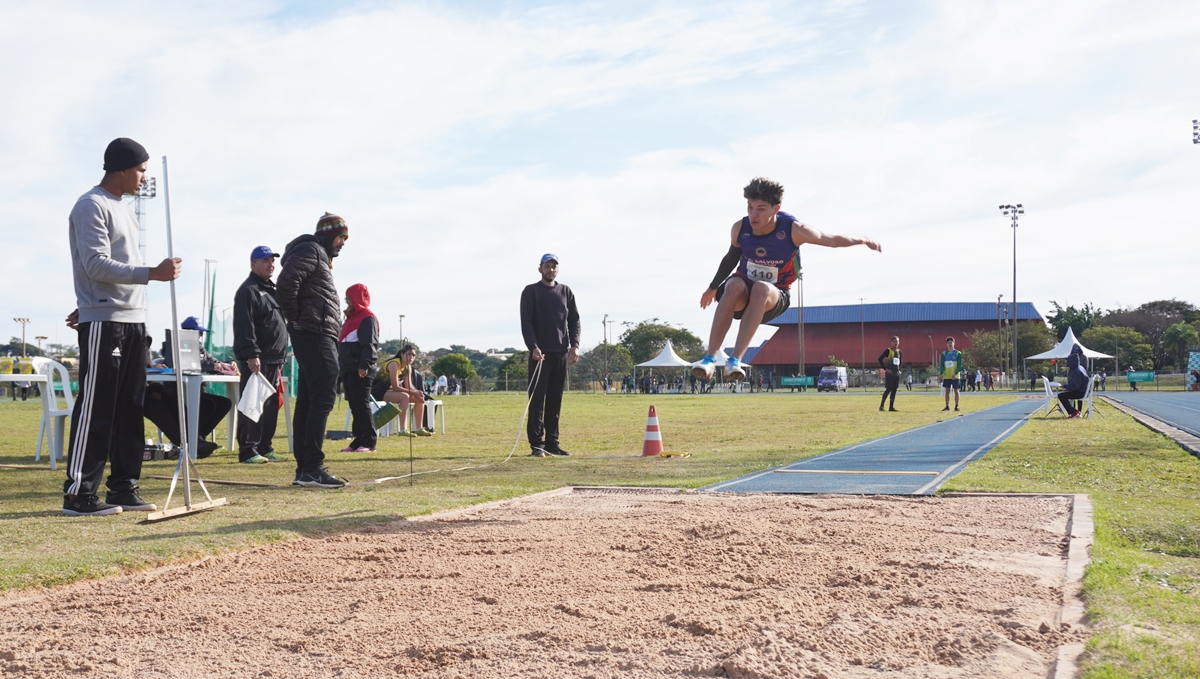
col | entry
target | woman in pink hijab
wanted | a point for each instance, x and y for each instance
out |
(358, 344)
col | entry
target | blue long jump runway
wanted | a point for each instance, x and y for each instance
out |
(913, 462)
(1180, 409)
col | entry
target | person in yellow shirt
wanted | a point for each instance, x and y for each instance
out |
(951, 372)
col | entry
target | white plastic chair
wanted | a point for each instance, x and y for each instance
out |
(1052, 402)
(1089, 397)
(433, 409)
(54, 419)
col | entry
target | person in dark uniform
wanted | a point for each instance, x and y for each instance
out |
(110, 289)
(1077, 381)
(889, 360)
(550, 326)
(260, 343)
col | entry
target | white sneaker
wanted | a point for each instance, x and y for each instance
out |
(734, 370)
(704, 367)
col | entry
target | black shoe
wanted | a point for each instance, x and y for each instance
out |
(946, 409)
(956, 409)
(538, 451)
(881, 409)
(87, 505)
(320, 478)
(556, 450)
(129, 501)
(891, 410)
(205, 448)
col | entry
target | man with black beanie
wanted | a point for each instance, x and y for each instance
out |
(310, 303)
(110, 279)
(550, 327)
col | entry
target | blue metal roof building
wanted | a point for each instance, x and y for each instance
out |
(851, 332)
(904, 312)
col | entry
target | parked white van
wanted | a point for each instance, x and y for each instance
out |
(833, 378)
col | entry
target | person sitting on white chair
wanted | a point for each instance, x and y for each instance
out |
(1077, 380)
(394, 384)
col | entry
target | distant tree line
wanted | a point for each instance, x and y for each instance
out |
(1154, 336)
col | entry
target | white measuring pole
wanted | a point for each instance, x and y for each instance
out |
(180, 396)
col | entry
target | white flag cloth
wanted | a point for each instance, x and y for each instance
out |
(258, 390)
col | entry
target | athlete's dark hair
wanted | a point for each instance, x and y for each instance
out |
(761, 188)
(404, 350)
(950, 339)
(895, 338)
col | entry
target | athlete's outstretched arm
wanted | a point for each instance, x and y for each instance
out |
(803, 233)
(728, 263)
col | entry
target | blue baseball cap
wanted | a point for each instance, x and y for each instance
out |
(262, 252)
(547, 257)
(193, 323)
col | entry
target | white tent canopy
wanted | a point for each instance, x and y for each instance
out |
(1063, 349)
(666, 359)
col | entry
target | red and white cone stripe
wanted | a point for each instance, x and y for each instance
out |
(652, 444)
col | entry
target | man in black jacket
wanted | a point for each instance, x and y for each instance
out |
(260, 343)
(550, 326)
(311, 305)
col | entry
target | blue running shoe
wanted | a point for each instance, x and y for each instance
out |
(704, 367)
(734, 370)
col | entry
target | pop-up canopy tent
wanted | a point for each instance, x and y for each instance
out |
(667, 358)
(1063, 349)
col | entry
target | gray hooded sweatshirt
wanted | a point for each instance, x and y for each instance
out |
(110, 279)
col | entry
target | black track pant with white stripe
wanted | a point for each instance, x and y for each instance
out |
(106, 424)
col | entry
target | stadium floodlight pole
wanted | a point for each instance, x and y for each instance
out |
(402, 330)
(800, 322)
(39, 339)
(148, 189)
(24, 322)
(862, 326)
(1014, 211)
(604, 336)
(1196, 131)
(932, 354)
(999, 333)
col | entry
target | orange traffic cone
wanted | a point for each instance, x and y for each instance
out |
(652, 445)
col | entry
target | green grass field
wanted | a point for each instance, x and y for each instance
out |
(1142, 587)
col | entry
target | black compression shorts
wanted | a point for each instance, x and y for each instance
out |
(785, 298)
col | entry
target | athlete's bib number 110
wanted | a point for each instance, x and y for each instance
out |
(760, 272)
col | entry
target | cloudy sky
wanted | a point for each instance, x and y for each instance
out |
(462, 140)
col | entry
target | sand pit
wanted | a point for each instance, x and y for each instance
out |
(590, 584)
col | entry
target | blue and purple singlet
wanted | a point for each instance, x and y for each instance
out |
(770, 258)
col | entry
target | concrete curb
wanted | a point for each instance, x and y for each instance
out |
(1185, 440)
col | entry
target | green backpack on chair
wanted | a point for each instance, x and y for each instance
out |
(386, 413)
